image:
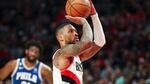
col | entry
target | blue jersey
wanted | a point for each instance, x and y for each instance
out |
(24, 75)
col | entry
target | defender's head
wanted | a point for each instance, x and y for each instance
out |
(66, 33)
(33, 49)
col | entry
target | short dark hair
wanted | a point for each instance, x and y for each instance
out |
(35, 43)
(62, 24)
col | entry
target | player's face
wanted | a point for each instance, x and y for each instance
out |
(70, 34)
(32, 53)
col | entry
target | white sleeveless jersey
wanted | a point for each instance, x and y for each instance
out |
(71, 74)
(24, 75)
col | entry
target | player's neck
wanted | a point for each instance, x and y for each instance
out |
(62, 45)
(29, 64)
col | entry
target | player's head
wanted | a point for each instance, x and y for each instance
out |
(66, 33)
(33, 49)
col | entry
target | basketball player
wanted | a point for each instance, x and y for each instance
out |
(67, 67)
(28, 70)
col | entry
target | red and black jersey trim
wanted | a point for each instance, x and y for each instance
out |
(70, 77)
(68, 80)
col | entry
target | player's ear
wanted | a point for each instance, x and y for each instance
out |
(26, 51)
(60, 37)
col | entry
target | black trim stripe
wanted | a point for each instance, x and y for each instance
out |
(68, 80)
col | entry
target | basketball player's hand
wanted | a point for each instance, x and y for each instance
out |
(93, 10)
(76, 20)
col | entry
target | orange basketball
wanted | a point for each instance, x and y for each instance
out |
(79, 8)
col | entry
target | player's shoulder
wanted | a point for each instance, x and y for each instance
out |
(12, 63)
(57, 54)
(45, 67)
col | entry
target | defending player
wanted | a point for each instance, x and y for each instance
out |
(28, 70)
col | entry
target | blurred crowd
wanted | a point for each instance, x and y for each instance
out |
(125, 59)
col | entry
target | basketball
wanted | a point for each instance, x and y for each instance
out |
(78, 8)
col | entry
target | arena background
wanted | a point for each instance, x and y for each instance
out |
(126, 23)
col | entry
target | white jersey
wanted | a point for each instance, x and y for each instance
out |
(71, 74)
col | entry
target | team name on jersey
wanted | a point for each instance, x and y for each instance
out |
(26, 76)
(79, 67)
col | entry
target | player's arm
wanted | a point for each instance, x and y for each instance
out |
(99, 37)
(7, 69)
(85, 41)
(47, 74)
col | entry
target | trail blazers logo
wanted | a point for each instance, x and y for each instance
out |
(79, 67)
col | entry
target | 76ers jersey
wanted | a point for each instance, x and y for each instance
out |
(24, 75)
(71, 74)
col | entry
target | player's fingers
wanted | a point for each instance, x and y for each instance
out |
(67, 16)
(70, 18)
(93, 10)
(76, 20)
